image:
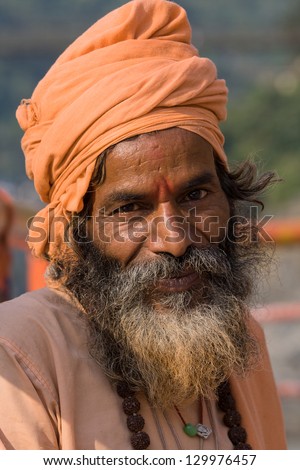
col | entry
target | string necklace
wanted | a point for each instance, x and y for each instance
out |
(232, 419)
(193, 430)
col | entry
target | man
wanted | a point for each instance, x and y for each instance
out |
(143, 338)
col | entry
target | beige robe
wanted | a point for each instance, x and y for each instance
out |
(53, 395)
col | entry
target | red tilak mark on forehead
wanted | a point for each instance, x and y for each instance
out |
(164, 188)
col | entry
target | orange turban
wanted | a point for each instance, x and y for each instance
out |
(133, 71)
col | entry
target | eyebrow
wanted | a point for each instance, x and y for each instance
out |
(124, 196)
(205, 178)
(128, 196)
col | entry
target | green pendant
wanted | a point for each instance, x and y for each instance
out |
(190, 430)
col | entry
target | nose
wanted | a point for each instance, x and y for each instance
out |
(169, 233)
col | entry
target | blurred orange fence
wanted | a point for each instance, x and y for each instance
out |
(284, 231)
(34, 267)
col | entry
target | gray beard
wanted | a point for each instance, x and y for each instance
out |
(177, 346)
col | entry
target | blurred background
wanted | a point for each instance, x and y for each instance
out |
(256, 47)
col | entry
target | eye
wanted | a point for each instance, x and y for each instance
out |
(195, 195)
(131, 207)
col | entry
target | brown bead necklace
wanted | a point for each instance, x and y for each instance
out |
(232, 419)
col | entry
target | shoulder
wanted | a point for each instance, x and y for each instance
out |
(40, 322)
(255, 328)
(44, 305)
(41, 299)
(257, 398)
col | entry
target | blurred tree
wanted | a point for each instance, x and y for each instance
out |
(291, 24)
(266, 126)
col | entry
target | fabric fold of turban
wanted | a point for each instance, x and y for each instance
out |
(133, 71)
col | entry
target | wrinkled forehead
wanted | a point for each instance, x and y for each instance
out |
(159, 153)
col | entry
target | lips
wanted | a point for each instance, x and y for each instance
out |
(178, 284)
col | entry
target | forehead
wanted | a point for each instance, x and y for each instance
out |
(167, 155)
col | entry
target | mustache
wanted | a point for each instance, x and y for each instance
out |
(209, 261)
(138, 281)
(233, 268)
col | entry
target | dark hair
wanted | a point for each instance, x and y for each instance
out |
(244, 184)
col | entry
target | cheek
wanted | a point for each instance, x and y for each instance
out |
(211, 223)
(118, 239)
